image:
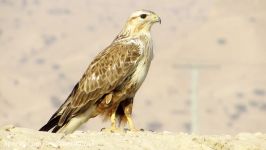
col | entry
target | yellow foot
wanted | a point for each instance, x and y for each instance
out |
(111, 129)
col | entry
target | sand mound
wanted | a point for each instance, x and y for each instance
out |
(21, 138)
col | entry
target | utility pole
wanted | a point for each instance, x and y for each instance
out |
(194, 87)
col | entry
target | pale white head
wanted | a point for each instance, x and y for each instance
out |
(141, 21)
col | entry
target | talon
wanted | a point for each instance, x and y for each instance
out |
(126, 129)
(112, 130)
(135, 130)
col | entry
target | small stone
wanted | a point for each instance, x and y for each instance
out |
(221, 41)
(9, 127)
(54, 145)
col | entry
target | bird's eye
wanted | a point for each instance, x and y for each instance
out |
(143, 16)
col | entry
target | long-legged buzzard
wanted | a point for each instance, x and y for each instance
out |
(112, 79)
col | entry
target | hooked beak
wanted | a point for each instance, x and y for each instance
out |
(159, 20)
(156, 18)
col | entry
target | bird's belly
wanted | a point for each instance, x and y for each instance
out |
(140, 74)
(126, 90)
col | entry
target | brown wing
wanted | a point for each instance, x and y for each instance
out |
(108, 70)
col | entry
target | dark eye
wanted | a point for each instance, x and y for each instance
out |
(143, 16)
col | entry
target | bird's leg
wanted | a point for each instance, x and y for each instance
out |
(113, 127)
(128, 113)
(113, 121)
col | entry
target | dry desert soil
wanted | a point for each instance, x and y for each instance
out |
(12, 137)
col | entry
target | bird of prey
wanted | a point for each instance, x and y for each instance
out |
(111, 81)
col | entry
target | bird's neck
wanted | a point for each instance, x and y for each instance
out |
(134, 32)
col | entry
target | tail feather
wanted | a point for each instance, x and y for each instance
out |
(56, 128)
(51, 124)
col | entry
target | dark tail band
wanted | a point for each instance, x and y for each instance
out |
(52, 123)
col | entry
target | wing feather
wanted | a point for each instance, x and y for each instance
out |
(108, 70)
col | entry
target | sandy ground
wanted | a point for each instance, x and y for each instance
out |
(212, 51)
(21, 138)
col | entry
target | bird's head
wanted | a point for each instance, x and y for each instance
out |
(141, 21)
